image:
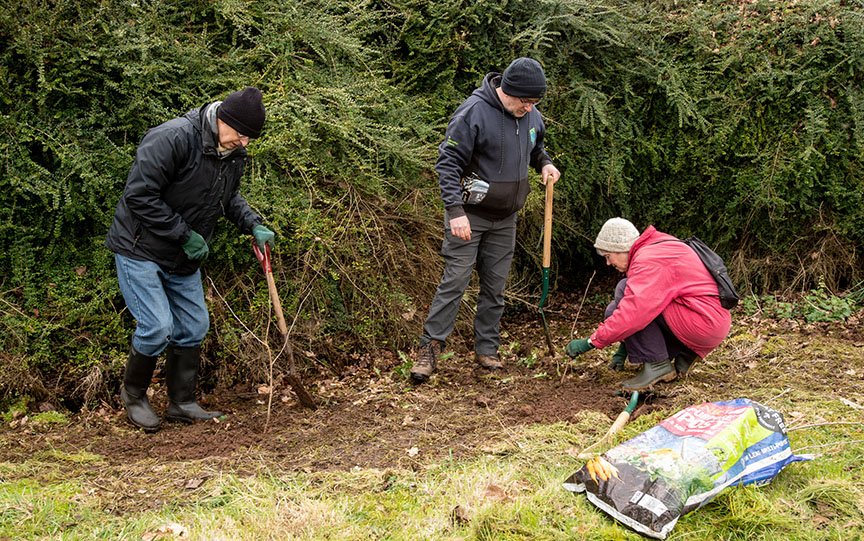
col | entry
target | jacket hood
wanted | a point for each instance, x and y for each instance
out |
(203, 120)
(649, 236)
(487, 91)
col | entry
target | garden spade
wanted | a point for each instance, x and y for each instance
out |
(547, 260)
(293, 378)
(616, 427)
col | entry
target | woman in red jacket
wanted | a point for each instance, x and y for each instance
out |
(666, 311)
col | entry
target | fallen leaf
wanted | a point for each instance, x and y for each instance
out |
(174, 529)
(194, 483)
(264, 389)
(495, 492)
(460, 514)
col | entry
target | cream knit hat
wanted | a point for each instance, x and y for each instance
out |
(616, 235)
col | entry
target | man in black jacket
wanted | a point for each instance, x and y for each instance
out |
(186, 175)
(491, 140)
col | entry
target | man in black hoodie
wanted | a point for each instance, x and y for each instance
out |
(491, 140)
(186, 175)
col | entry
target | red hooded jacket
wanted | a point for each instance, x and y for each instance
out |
(669, 279)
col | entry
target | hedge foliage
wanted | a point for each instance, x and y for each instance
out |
(740, 122)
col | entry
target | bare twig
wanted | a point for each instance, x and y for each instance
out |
(776, 397)
(802, 427)
(573, 328)
(826, 445)
(228, 306)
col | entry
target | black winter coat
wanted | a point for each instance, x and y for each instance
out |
(483, 137)
(178, 184)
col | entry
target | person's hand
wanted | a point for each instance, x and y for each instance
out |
(461, 227)
(578, 347)
(196, 246)
(550, 172)
(263, 236)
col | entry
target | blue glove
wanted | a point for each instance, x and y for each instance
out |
(578, 347)
(263, 236)
(196, 246)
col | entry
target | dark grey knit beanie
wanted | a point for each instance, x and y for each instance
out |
(244, 111)
(524, 78)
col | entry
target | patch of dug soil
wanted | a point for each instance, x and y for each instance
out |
(364, 419)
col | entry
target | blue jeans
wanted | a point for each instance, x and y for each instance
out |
(491, 249)
(168, 308)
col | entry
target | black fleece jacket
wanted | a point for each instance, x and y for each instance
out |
(484, 138)
(178, 184)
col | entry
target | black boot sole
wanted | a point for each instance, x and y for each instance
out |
(419, 378)
(187, 420)
(148, 429)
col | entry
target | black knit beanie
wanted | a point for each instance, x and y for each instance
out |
(243, 111)
(524, 78)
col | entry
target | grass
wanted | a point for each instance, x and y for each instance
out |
(514, 493)
(510, 489)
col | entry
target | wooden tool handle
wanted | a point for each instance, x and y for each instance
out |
(277, 304)
(619, 423)
(547, 225)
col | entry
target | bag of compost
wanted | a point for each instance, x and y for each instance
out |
(650, 481)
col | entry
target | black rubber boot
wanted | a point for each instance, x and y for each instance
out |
(618, 358)
(683, 362)
(181, 377)
(653, 372)
(133, 393)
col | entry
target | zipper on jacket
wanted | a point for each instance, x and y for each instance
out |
(519, 171)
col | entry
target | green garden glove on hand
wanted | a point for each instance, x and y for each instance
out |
(578, 347)
(263, 236)
(196, 246)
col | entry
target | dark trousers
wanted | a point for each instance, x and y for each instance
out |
(491, 248)
(655, 342)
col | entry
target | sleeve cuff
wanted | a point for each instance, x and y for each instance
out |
(455, 211)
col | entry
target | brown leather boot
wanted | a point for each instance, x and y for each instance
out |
(426, 361)
(489, 362)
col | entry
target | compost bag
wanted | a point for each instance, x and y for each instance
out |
(650, 481)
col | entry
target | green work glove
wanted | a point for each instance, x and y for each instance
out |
(196, 246)
(578, 347)
(619, 358)
(263, 236)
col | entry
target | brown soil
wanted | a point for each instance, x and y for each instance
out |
(375, 417)
(370, 417)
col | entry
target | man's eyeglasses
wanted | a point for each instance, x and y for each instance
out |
(530, 101)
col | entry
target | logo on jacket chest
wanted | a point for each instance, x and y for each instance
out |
(532, 133)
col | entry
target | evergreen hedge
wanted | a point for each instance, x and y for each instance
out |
(740, 122)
